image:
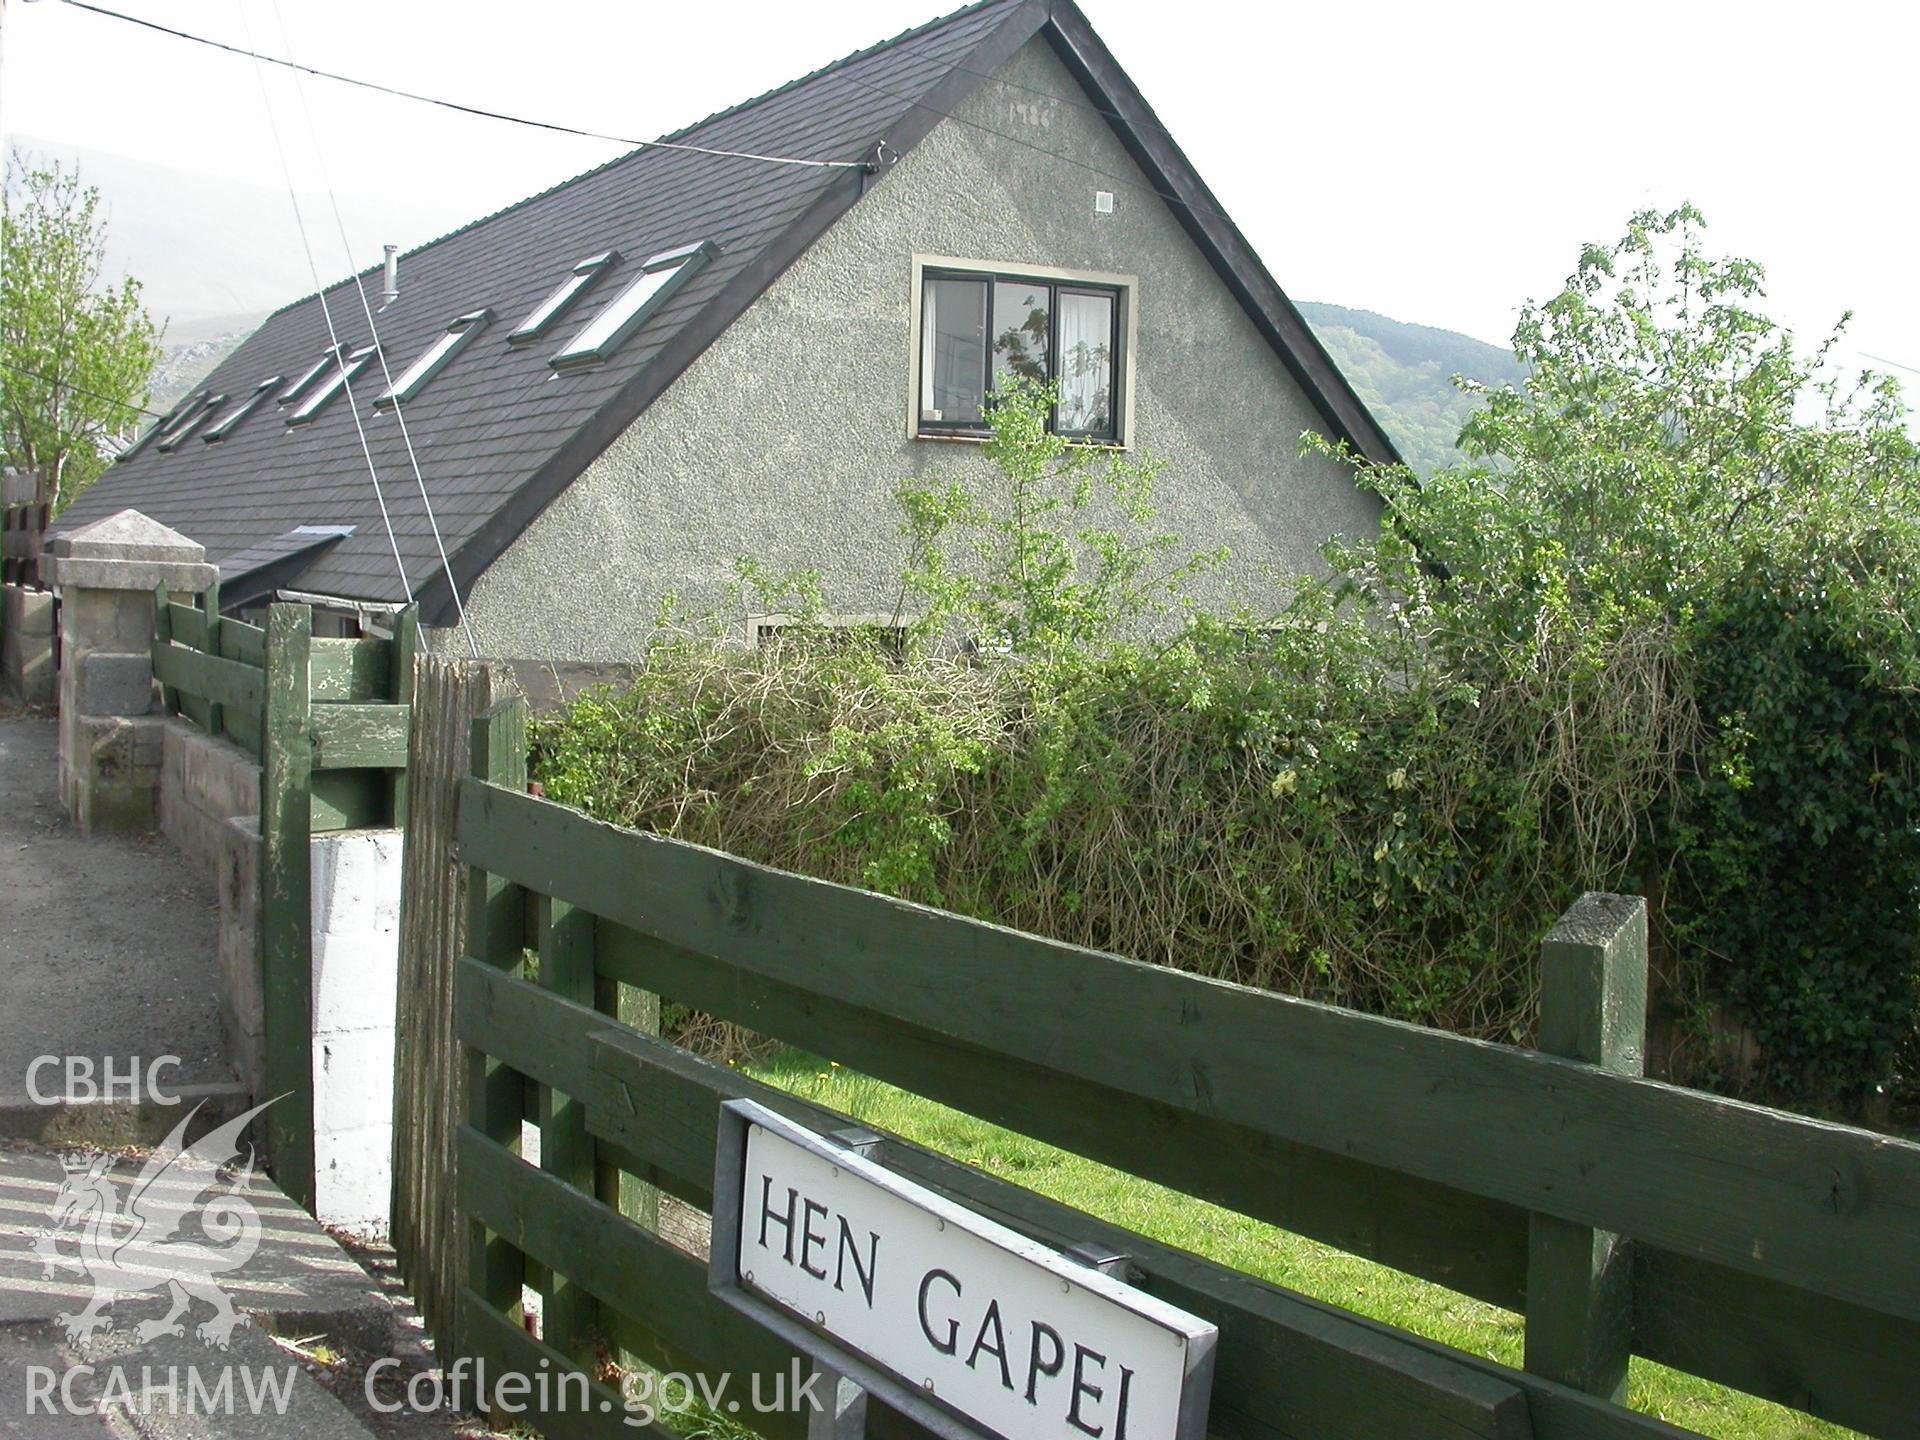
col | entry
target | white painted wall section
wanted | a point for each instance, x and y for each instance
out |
(356, 954)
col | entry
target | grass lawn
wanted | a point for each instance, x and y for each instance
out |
(1286, 1259)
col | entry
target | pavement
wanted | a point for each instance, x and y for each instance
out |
(311, 1322)
(107, 963)
(107, 958)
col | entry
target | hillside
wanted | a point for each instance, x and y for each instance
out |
(183, 366)
(213, 254)
(1404, 372)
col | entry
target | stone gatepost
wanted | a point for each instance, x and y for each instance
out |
(110, 737)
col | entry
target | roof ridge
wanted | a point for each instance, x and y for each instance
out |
(670, 137)
(911, 33)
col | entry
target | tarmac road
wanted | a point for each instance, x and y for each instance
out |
(107, 944)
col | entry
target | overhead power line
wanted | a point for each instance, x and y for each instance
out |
(1117, 179)
(1882, 360)
(79, 389)
(379, 350)
(339, 351)
(479, 111)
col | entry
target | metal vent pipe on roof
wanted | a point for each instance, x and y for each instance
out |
(390, 291)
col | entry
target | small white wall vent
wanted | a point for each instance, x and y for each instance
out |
(1103, 202)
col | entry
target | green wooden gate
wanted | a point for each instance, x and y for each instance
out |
(327, 719)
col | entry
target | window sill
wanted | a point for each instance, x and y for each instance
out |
(1116, 446)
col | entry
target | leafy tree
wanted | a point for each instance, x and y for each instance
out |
(1053, 553)
(1675, 575)
(76, 349)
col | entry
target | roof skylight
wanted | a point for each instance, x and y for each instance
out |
(550, 309)
(312, 373)
(231, 420)
(190, 422)
(166, 422)
(460, 334)
(660, 276)
(314, 403)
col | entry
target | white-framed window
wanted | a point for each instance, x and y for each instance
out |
(660, 276)
(230, 421)
(583, 275)
(460, 334)
(344, 373)
(976, 323)
(886, 631)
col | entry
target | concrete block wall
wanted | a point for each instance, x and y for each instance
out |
(204, 783)
(243, 1006)
(106, 575)
(109, 768)
(356, 959)
(110, 759)
(210, 808)
(26, 645)
(209, 804)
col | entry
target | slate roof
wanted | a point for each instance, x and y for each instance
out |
(253, 574)
(498, 435)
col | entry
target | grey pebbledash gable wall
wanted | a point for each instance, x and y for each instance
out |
(785, 439)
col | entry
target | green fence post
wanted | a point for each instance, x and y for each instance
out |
(496, 936)
(210, 602)
(566, 1149)
(405, 646)
(162, 638)
(286, 901)
(1593, 1007)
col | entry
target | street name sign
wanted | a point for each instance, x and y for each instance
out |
(969, 1327)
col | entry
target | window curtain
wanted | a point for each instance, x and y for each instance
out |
(1086, 363)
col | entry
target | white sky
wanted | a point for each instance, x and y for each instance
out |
(1437, 163)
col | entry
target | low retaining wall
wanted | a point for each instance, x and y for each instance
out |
(26, 645)
(204, 783)
(209, 807)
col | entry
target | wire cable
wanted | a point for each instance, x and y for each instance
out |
(1114, 177)
(80, 390)
(1882, 360)
(333, 334)
(912, 47)
(379, 350)
(476, 110)
(1127, 182)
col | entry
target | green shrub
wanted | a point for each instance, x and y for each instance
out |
(1658, 635)
(1798, 854)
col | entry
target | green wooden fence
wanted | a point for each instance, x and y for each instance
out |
(1773, 1253)
(327, 719)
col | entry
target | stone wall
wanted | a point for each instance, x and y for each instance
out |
(26, 645)
(106, 575)
(205, 782)
(210, 809)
